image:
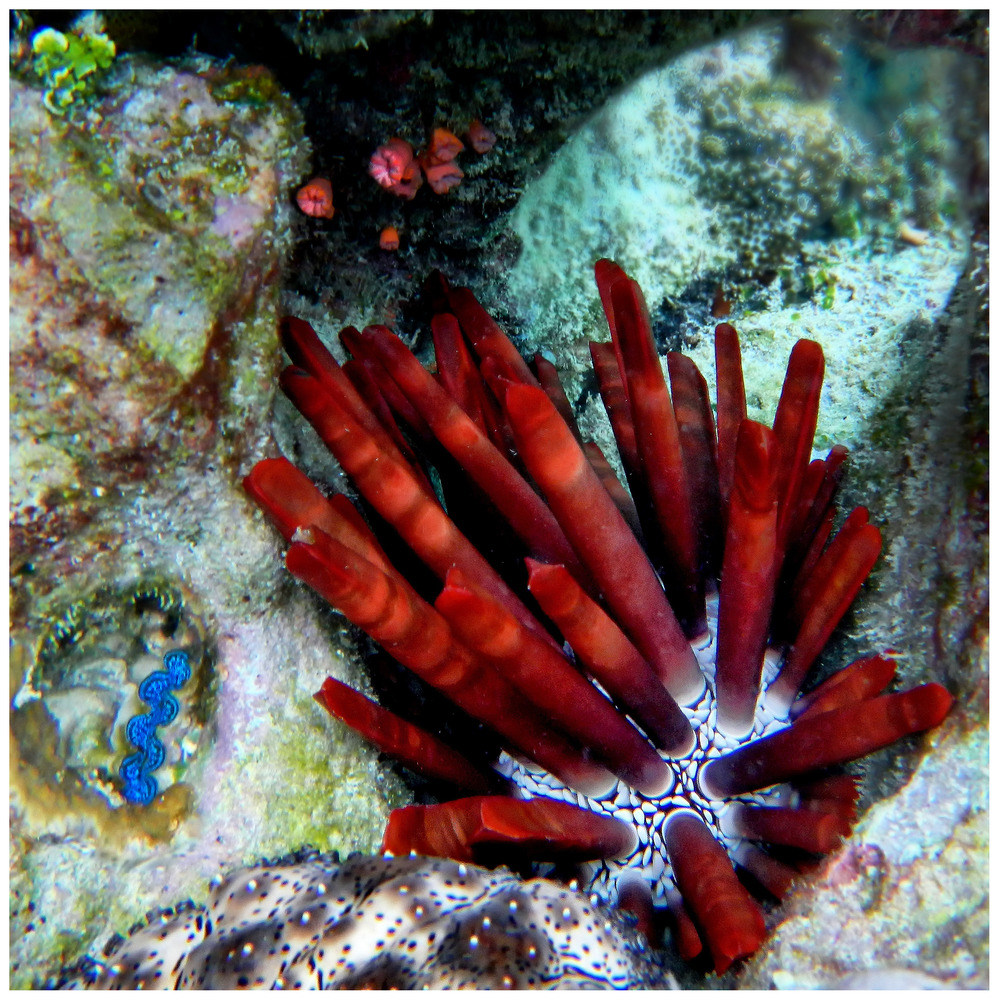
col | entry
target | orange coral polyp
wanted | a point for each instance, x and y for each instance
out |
(388, 239)
(443, 176)
(316, 198)
(444, 146)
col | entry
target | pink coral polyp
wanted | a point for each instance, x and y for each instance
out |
(395, 168)
(388, 163)
(444, 176)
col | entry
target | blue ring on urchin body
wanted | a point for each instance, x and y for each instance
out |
(136, 769)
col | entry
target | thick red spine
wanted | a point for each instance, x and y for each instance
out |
(823, 740)
(495, 828)
(725, 914)
(748, 580)
(825, 597)
(487, 335)
(552, 384)
(415, 747)
(697, 440)
(602, 540)
(292, 501)
(860, 680)
(658, 439)
(610, 657)
(794, 426)
(809, 830)
(471, 448)
(731, 393)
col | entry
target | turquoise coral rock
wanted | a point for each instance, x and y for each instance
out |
(716, 168)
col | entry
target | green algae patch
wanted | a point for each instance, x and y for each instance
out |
(253, 85)
(342, 794)
(69, 64)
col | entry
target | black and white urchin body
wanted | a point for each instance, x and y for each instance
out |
(650, 814)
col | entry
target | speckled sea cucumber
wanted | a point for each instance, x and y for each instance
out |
(403, 923)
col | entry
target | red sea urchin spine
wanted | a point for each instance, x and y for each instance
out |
(615, 401)
(606, 273)
(307, 352)
(697, 443)
(634, 896)
(773, 875)
(658, 439)
(414, 747)
(814, 501)
(831, 588)
(392, 399)
(614, 395)
(550, 382)
(292, 502)
(602, 539)
(416, 635)
(731, 395)
(834, 737)
(459, 376)
(613, 486)
(794, 427)
(610, 657)
(748, 579)
(497, 828)
(857, 682)
(806, 829)
(724, 912)
(486, 335)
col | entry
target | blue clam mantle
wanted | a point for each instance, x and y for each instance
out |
(136, 769)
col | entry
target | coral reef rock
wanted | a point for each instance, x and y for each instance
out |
(382, 923)
(722, 163)
(149, 228)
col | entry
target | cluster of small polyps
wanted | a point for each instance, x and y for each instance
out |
(640, 730)
(380, 923)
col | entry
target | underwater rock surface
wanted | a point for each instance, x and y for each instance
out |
(908, 891)
(716, 170)
(137, 404)
(149, 229)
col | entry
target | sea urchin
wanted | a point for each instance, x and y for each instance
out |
(643, 675)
